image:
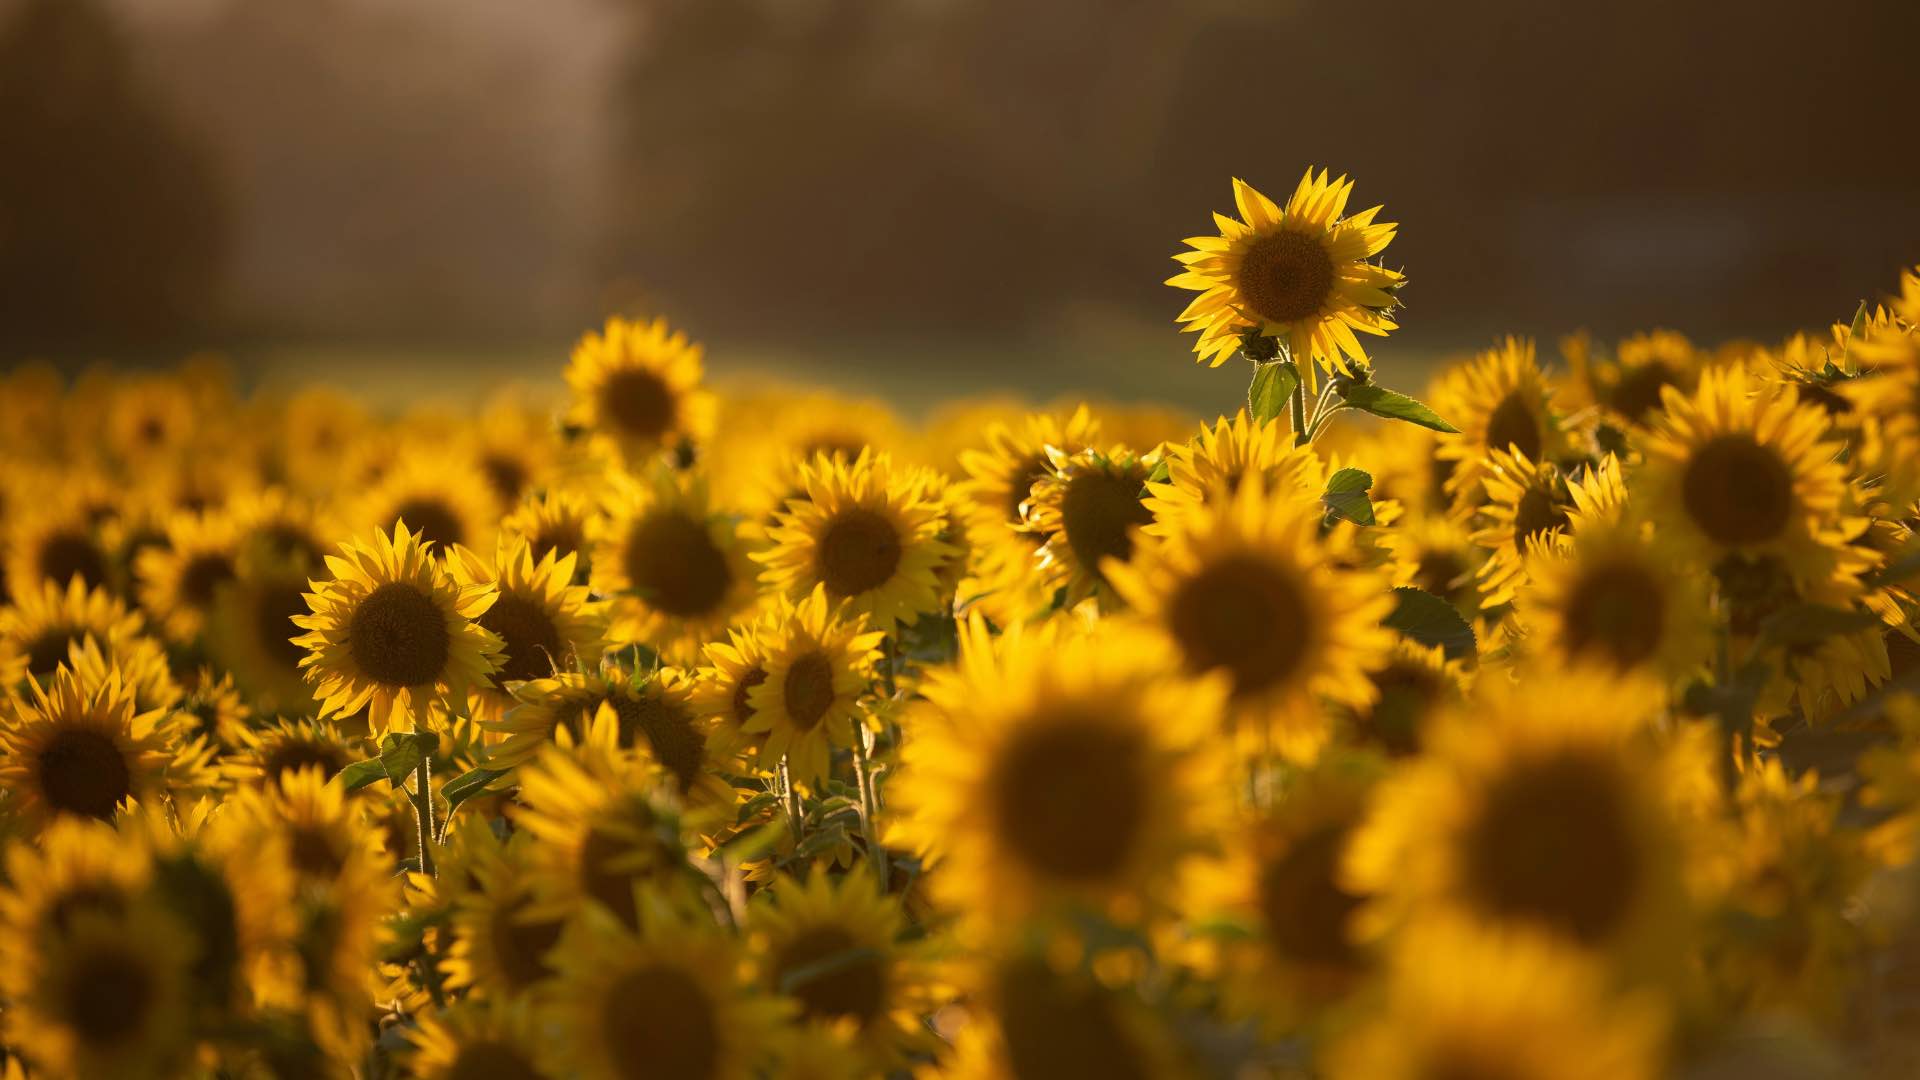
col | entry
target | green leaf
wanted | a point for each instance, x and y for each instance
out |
(750, 845)
(1346, 496)
(825, 839)
(468, 785)
(361, 773)
(1273, 384)
(1392, 405)
(401, 752)
(1429, 620)
(1161, 472)
(1810, 624)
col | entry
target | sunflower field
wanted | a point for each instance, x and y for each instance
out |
(1559, 721)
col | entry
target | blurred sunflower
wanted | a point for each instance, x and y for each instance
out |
(393, 633)
(1298, 273)
(77, 865)
(654, 713)
(1727, 472)
(638, 384)
(1059, 767)
(444, 498)
(1248, 588)
(1645, 365)
(501, 940)
(251, 633)
(1528, 509)
(674, 567)
(1000, 477)
(668, 996)
(818, 662)
(277, 528)
(553, 521)
(178, 580)
(836, 948)
(474, 1039)
(1466, 1003)
(55, 539)
(270, 753)
(1032, 1016)
(1606, 596)
(867, 533)
(1501, 402)
(43, 624)
(80, 753)
(545, 624)
(1086, 511)
(1436, 553)
(1414, 685)
(1210, 467)
(1548, 804)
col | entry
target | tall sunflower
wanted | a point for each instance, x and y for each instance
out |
(1467, 1003)
(674, 566)
(393, 633)
(1055, 767)
(1248, 588)
(818, 662)
(666, 1001)
(545, 624)
(638, 384)
(866, 531)
(1728, 472)
(1299, 273)
(82, 753)
(1550, 804)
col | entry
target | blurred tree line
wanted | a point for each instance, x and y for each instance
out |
(112, 221)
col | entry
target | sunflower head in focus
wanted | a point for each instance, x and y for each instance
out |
(545, 624)
(75, 752)
(668, 995)
(1729, 472)
(1464, 1002)
(1056, 769)
(835, 946)
(1299, 273)
(819, 660)
(1249, 589)
(1550, 804)
(674, 566)
(638, 384)
(866, 532)
(393, 633)
(1086, 510)
(1529, 507)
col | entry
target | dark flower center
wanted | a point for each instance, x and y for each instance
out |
(1098, 511)
(1305, 909)
(433, 519)
(1537, 514)
(1054, 1027)
(1068, 797)
(66, 553)
(398, 636)
(1616, 609)
(676, 567)
(638, 403)
(1286, 276)
(1515, 425)
(489, 1059)
(533, 646)
(1638, 391)
(658, 1022)
(521, 945)
(809, 690)
(1737, 491)
(83, 772)
(300, 753)
(676, 743)
(830, 976)
(860, 550)
(106, 996)
(1243, 614)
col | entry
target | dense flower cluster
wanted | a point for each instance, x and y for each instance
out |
(1567, 728)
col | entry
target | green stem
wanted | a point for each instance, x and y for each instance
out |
(790, 802)
(1298, 402)
(870, 803)
(423, 811)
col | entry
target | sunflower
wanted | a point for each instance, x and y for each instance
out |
(769, 434)
(271, 752)
(274, 527)
(444, 497)
(545, 624)
(82, 753)
(214, 710)
(1414, 685)
(1030, 1015)
(77, 865)
(490, 1039)
(1502, 402)
(1086, 512)
(1528, 509)
(818, 661)
(251, 633)
(1549, 804)
(654, 712)
(107, 996)
(1646, 364)
(178, 580)
(865, 531)
(723, 687)
(1436, 553)
(542, 709)
(45, 621)
(1247, 588)
(1292, 952)
(1606, 596)
(1467, 1003)
(55, 539)
(836, 947)
(1000, 478)
(1728, 473)
(1209, 468)
(553, 521)
(393, 633)
(514, 445)
(599, 827)
(1298, 273)
(501, 940)
(1057, 767)
(675, 568)
(665, 1001)
(638, 384)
